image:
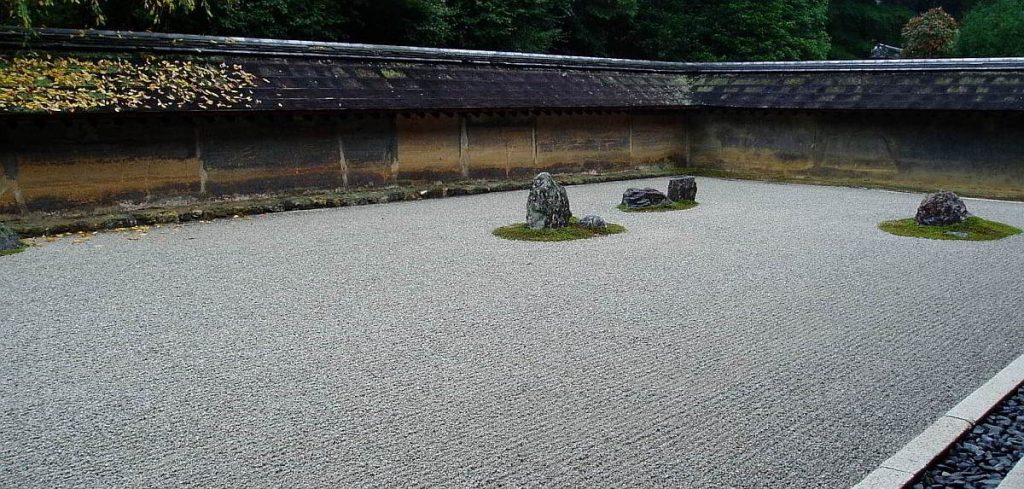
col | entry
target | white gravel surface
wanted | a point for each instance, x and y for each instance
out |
(771, 337)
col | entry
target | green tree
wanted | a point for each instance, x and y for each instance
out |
(929, 35)
(516, 25)
(409, 22)
(993, 29)
(597, 27)
(855, 26)
(956, 8)
(25, 12)
(319, 20)
(747, 30)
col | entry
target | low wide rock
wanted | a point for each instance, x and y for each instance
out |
(593, 222)
(8, 239)
(639, 198)
(684, 188)
(940, 209)
(548, 205)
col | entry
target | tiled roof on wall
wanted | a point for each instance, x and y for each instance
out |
(153, 72)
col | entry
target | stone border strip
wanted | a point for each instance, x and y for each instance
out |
(1015, 479)
(900, 470)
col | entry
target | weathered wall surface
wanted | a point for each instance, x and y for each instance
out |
(50, 165)
(53, 164)
(57, 165)
(977, 153)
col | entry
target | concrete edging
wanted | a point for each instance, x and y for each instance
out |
(900, 470)
(1015, 479)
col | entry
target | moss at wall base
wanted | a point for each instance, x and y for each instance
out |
(34, 225)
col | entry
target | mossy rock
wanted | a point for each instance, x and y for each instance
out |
(681, 205)
(574, 231)
(9, 242)
(972, 229)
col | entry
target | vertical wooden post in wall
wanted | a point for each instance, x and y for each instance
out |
(9, 180)
(342, 163)
(203, 175)
(686, 140)
(463, 147)
(533, 140)
(629, 118)
(508, 153)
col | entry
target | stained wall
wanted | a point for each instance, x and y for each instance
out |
(977, 153)
(52, 165)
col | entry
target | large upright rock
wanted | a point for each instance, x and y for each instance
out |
(8, 239)
(639, 198)
(684, 188)
(548, 205)
(940, 209)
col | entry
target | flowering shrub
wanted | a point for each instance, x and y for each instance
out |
(929, 35)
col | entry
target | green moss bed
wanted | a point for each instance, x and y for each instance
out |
(13, 251)
(573, 231)
(682, 205)
(972, 229)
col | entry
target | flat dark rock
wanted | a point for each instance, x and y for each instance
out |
(639, 198)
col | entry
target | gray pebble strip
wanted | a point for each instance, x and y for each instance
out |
(986, 455)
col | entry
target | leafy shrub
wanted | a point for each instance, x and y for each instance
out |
(929, 35)
(993, 29)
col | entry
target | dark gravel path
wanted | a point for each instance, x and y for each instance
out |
(986, 455)
(771, 337)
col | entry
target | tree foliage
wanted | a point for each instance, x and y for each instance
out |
(693, 30)
(737, 30)
(516, 25)
(929, 35)
(26, 12)
(659, 29)
(855, 26)
(596, 27)
(993, 29)
(956, 8)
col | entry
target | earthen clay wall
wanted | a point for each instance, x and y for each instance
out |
(68, 163)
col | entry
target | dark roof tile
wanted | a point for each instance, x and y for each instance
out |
(319, 76)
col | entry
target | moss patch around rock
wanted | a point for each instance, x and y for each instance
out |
(972, 229)
(682, 205)
(571, 232)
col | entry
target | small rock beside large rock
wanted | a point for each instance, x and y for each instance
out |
(548, 204)
(940, 209)
(593, 222)
(682, 189)
(639, 198)
(8, 238)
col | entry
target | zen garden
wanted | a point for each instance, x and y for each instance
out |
(479, 243)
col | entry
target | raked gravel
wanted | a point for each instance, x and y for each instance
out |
(771, 337)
